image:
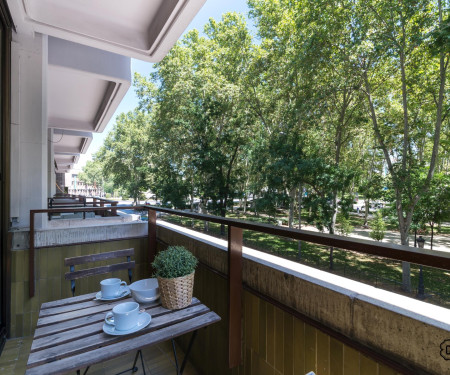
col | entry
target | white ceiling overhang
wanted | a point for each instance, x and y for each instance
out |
(67, 147)
(71, 141)
(85, 85)
(143, 29)
(65, 161)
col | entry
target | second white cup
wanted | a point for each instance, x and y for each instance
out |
(111, 287)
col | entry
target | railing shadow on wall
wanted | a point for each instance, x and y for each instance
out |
(436, 259)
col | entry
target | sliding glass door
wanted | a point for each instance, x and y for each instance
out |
(5, 89)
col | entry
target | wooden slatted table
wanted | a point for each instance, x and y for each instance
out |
(69, 334)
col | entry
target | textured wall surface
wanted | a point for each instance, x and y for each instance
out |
(274, 341)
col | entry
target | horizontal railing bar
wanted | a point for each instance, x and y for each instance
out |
(102, 199)
(432, 258)
(85, 209)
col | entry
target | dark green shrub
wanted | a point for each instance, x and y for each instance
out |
(176, 261)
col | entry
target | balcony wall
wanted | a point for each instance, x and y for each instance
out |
(295, 319)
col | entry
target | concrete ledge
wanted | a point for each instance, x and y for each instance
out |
(91, 231)
(408, 330)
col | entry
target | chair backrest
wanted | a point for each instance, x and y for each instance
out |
(72, 275)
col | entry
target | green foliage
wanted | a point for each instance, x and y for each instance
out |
(378, 227)
(125, 154)
(434, 206)
(344, 227)
(108, 195)
(201, 124)
(176, 261)
(326, 181)
(92, 173)
(334, 98)
(440, 38)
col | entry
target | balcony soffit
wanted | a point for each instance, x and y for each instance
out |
(66, 142)
(85, 85)
(142, 29)
(65, 161)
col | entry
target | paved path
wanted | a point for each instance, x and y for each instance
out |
(440, 242)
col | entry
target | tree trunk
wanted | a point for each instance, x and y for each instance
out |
(202, 208)
(291, 206)
(432, 235)
(192, 209)
(406, 266)
(300, 198)
(366, 212)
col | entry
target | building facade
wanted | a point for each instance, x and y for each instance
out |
(65, 67)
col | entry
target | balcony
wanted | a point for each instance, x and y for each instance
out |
(278, 316)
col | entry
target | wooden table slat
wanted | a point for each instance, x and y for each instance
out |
(153, 308)
(83, 360)
(60, 347)
(62, 309)
(74, 314)
(68, 301)
(97, 327)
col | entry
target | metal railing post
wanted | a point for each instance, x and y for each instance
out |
(234, 295)
(113, 210)
(151, 235)
(31, 257)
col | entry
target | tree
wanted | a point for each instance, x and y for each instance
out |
(344, 228)
(125, 154)
(434, 206)
(324, 180)
(403, 84)
(378, 227)
(201, 124)
(92, 173)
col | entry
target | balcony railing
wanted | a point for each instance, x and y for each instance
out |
(424, 257)
(58, 204)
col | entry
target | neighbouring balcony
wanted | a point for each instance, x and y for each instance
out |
(278, 316)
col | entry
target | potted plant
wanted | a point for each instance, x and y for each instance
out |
(175, 269)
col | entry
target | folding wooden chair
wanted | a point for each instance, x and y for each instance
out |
(72, 275)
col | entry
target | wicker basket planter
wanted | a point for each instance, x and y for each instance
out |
(176, 293)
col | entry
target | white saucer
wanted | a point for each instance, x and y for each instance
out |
(143, 321)
(124, 291)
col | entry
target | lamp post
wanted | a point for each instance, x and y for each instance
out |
(421, 288)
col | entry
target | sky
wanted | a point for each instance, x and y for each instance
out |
(211, 9)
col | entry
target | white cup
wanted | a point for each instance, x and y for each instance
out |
(111, 287)
(123, 316)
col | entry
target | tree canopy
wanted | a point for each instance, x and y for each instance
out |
(327, 101)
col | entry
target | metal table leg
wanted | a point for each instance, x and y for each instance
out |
(183, 364)
(133, 369)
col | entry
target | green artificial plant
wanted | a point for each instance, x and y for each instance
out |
(176, 261)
